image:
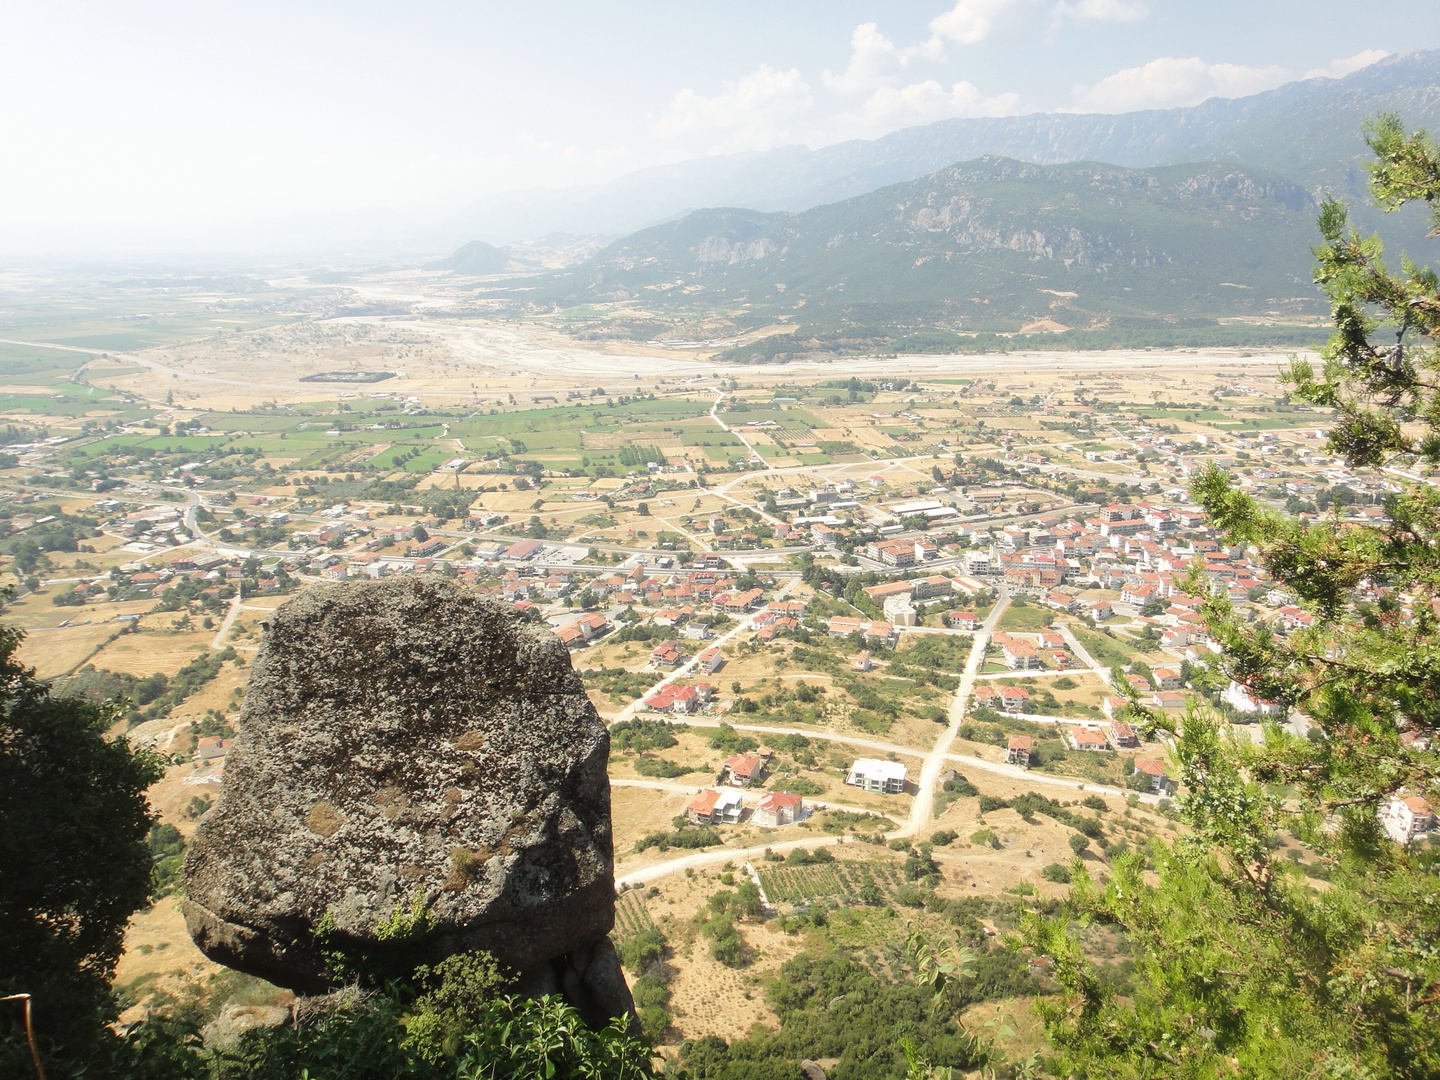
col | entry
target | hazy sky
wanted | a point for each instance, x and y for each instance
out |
(133, 116)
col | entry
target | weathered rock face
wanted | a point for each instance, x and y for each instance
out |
(402, 739)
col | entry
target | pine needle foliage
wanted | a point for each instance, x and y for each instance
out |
(1246, 967)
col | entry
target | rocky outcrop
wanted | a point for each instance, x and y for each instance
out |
(235, 1021)
(417, 772)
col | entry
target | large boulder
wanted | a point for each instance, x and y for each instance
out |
(418, 771)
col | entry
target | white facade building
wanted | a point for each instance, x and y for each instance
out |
(886, 777)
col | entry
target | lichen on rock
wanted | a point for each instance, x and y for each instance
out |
(404, 739)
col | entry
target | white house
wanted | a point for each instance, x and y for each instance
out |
(1242, 701)
(886, 777)
(1154, 769)
(712, 807)
(1403, 819)
(711, 660)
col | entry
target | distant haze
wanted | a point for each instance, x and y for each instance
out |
(365, 130)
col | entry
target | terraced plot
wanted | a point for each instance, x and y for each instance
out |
(631, 915)
(844, 880)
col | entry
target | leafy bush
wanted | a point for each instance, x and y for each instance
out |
(458, 993)
(167, 848)
(639, 951)
(985, 838)
(802, 785)
(908, 895)
(681, 838)
(809, 857)
(747, 901)
(660, 768)
(644, 735)
(961, 786)
(648, 990)
(832, 1006)
(942, 837)
(1056, 872)
(728, 949)
(655, 1020)
(727, 739)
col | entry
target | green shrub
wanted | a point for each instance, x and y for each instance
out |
(747, 900)
(642, 735)
(804, 857)
(458, 992)
(168, 849)
(726, 738)
(728, 948)
(681, 838)
(908, 895)
(961, 786)
(649, 990)
(944, 837)
(660, 768)
(654, 1021)
(801, 785)
(1056, 872)
(641, 950)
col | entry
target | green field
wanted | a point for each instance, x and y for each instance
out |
(805, 884)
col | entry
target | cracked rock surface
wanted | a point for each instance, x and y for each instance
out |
(407, 742)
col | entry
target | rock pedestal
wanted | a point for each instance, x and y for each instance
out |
(417, 772)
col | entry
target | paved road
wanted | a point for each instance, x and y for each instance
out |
(218, 641)
(1085, 657)
(922, 809)
(715, 415)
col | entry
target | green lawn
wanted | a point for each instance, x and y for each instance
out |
(1027, 619)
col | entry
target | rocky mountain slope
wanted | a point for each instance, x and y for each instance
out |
(990, 244)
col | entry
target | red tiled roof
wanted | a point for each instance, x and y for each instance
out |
(704, 803)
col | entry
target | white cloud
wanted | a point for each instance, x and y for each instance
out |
(969, 22)
(1171, 82)
(893, 107)
(1338, 69)
(876, 61)
(756, 112)
(1102, 10)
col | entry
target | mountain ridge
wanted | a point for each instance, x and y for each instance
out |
(988, 244)
(1320, 119)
